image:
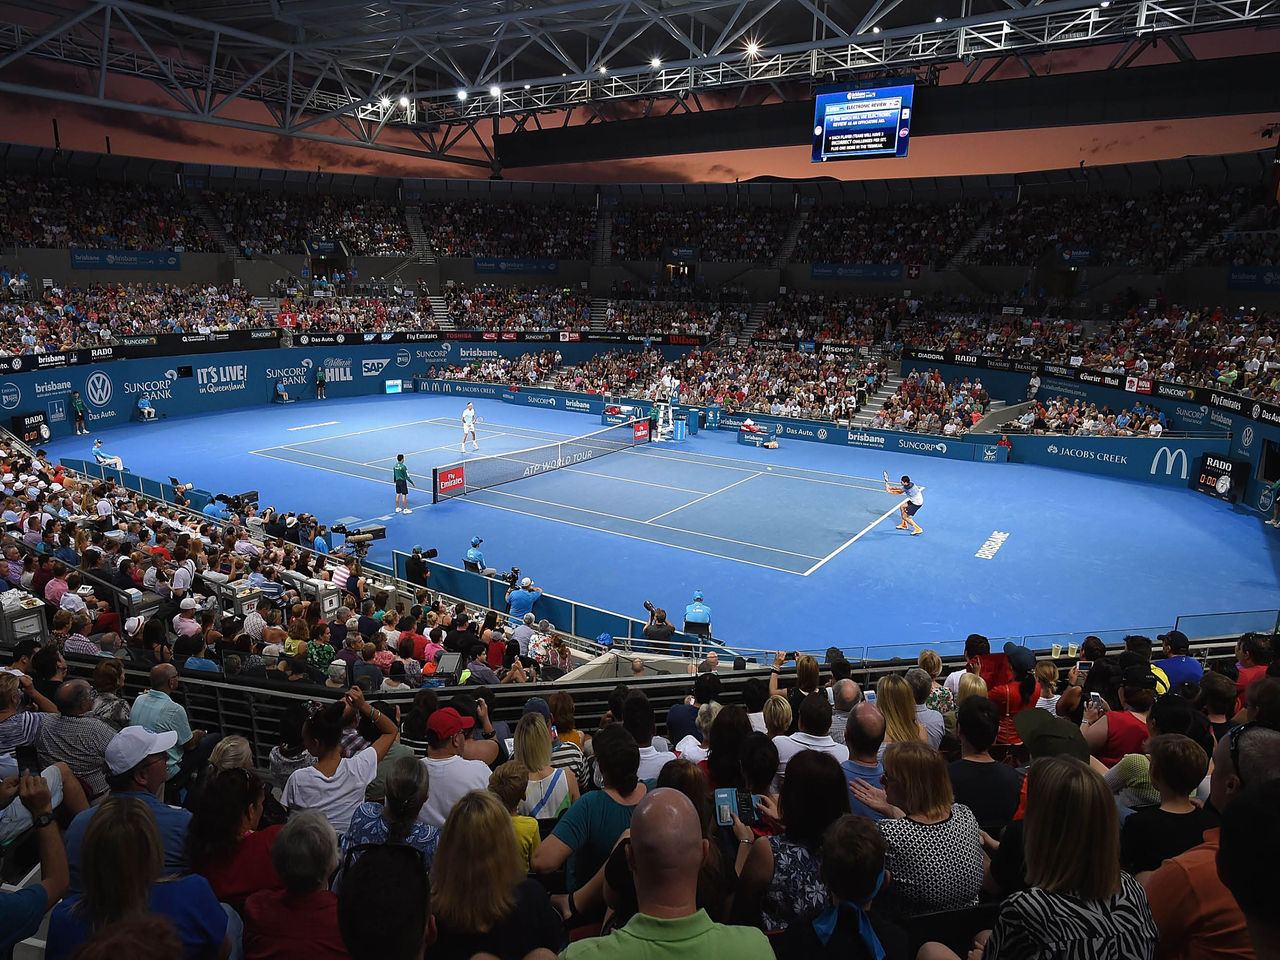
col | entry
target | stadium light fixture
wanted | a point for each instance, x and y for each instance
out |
(603, 70)
(753, 48)
(404, 103)
(937, 19)
(385, 102)
(527, 86)
(462, 94)
(495, 91)
(656, 62)
(875, 29)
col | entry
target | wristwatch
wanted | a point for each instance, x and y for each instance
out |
(43, 820)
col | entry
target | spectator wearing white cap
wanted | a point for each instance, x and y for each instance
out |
(135, 765)
(185, 623)
(520, 600)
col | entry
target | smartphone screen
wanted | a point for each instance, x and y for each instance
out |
(1083, 667)
(747, 809)
(726, 800)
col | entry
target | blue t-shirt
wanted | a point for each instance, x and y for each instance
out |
(1181, 669)
(200, 663)
(521, 602)
(697, 612)
(867, 774)
(20, 915)
(172, 821)
(474, 555)
(590, 828)
(188, 903)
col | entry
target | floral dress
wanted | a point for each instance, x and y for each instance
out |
(795, 891)
(940, 699)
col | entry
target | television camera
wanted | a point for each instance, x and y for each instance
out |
(359, 538)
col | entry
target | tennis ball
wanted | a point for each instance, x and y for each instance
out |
(768, 468)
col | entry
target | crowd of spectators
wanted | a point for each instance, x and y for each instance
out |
(491, 307)
(1070, 415)
(267, 224)
(928, 404)
(348, 314)
(716, 233)
(920, 233)
(1153, 232)
(844, 318)
(760, 378)
(1011, 809)
(674, 316)
(56, 212)
(493, 228)
(66, 318)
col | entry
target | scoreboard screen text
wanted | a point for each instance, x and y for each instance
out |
(854, 124)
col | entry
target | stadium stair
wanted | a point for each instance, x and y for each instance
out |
(440, 312)
(599, 311)
(874, 402)
(205, 212)
(1246, 221)
(788, 246)
(754, 318)
(603, 252)
(422, 250)
(962, 255)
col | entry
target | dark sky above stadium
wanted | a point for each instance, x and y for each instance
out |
(85, 128)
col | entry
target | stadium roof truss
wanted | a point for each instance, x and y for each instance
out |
(422, 78)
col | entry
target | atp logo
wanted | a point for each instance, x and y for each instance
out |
(98, 389)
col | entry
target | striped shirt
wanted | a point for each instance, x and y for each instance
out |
(1035, 925)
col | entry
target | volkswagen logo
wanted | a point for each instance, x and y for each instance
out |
(98, 389)
(1246, 437)
(17, 363)
(822, 433)
(304, 339)
(1257, 409)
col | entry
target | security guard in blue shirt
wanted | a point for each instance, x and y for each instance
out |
(475, 558)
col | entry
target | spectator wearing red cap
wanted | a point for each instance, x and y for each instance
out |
(451, 774)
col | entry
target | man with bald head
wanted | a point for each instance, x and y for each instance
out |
(666, 851)
(155, 710)
(863, 734)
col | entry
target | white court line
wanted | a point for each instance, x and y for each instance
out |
(312, 426)
(630, 536)
(646, 483)
(705, 496)
(660, 526)
(412, 453)
(313, 466)
(856, 537)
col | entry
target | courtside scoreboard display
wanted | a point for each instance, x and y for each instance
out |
(852, 124)
(1221, 478)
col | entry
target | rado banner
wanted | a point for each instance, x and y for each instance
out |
(141, 347)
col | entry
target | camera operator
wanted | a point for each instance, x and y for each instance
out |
(520, 600)
(415, 568)
(658, 631)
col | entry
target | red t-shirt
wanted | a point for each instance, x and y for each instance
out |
(285, 926)
(1125, 734)
(1246, 676)
(1008, 698)
(246, 871)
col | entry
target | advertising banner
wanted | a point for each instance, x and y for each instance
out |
(539, 265)
(124, 259)
(873, 272)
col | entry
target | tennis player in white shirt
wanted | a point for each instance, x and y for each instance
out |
(915, 500)
(469, 427)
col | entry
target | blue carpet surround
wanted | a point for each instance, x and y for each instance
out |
(794, 547)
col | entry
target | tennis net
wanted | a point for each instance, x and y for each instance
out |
(481, 473)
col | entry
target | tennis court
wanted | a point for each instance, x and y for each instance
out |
(798, 540)
(784, 518)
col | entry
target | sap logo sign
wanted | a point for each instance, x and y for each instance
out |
(1170, 457)
(373, 367)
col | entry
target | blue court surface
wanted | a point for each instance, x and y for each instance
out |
(794, 547)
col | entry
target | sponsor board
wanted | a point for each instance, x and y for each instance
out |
(10, 396)
(98, 389)
(454, 478)
(160, 388)
(1170, 458)
(640, 430)
(373, 366)
(222, 378)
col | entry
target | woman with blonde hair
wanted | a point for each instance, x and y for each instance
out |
(808, 680)
(777, 716)
(1047, 681)
(971, 684)
(121, 877)
(1078, 902)
(550, 791)
(933, 844)
(940, 697)
(481, 899)
(897, 703)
